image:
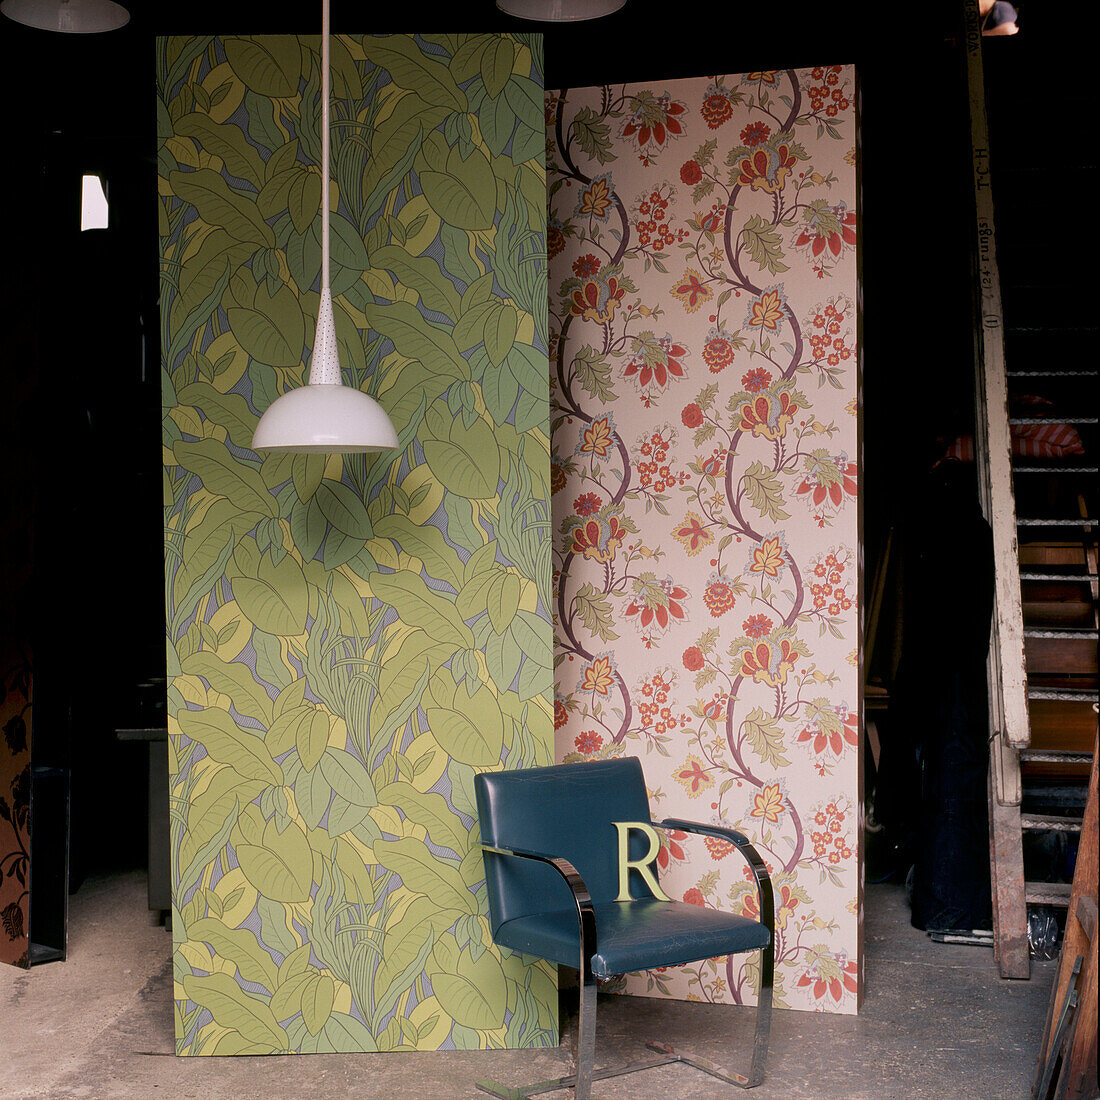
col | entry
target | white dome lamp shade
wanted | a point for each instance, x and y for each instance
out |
(67, 16)
(324, 417)
(559, 11)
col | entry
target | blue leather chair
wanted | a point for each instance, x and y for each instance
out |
(551, 851)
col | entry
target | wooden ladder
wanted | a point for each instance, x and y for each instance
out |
(1033, 435)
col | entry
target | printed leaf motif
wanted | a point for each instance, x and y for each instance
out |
(282, 867)
(348, 777)
(225, 476)
(764, 244)
(273, 330)
(418, 605)
(269, 64)
(411, 334)
(593, 135)
(227, 743)
(219, 206)
(225, 141)
(237, 1010)
(766, 737)
(465, 195)
(476, 994)
(232, 679)
(276, 598)
(595, 611)
(409, 67)
(593, 374)
(466, 461)
(765, 491)
(423, 873)
(496, 64)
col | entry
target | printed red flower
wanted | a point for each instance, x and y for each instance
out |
(691, 534)
(597, 299)
(719, 596)
(693, 658)
(598, 539)
(587, 504)
(711, 221)
(659, 613)
(694, 896)
(756, 133)
(766, 664)
(648, 366)
(713, 708)
(561, 714)
(555, 238)
(693, 776)
(787, 903)
(712, 466)
(831, 227)
(835, 987)
(832, 738)
(655, 119)
(768, 415)
(767, 169)
(691, 290)
(717, 109)
(755, 380)
(822, 486)
(692, 416)
(718, 351)
(558, 474)
(584, 266)
(718, 847)
(671, 848)
(756, 626)
(588, 741)
(691, 173)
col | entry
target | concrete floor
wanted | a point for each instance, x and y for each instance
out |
(937, 1023)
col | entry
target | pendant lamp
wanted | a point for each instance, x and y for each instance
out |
(559, 11)
(324, 417)
(67, 16)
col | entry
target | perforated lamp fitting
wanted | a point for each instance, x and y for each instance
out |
(325, 416)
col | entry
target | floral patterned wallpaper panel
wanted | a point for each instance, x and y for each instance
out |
(15, 803)
(705, 470)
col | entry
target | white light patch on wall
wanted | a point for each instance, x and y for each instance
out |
(93, 204)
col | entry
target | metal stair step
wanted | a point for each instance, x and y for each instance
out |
(1052, 373)
(1055, 419)
(1036, 522)
(1050, 823)
(1055, 469)
(1064, 578)
(1055, 756)
(1064, 695)
(1069, 633)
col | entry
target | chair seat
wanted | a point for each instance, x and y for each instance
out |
(635, 935)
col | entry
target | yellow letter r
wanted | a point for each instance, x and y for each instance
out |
(644, 865)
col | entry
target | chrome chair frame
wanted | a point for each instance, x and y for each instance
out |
(584, 1040)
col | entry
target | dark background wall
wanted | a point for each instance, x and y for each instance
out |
(79, 311)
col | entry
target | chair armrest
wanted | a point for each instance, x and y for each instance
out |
(582, 899)
(741, 843)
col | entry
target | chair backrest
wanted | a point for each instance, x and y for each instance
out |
(565, 811)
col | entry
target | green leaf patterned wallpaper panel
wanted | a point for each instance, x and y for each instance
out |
(351, 638)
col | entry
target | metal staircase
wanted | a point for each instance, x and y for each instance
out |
(1035, 444)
